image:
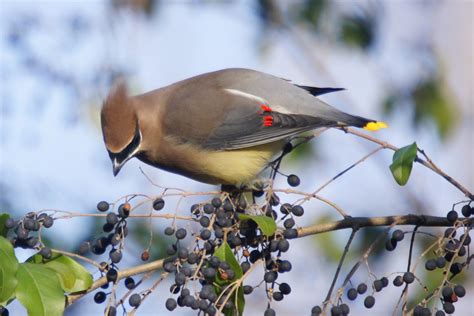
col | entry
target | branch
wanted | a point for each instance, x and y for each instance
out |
(349, 222)
(427, 163)
(354, 222)
(122, 274)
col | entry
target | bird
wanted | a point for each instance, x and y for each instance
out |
(222, 127)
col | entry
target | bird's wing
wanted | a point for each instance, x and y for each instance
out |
(225, 119)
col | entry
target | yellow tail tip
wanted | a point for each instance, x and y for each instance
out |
(374, 126)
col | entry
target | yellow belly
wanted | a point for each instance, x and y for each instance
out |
(235, 167)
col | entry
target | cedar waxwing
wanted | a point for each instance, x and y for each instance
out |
(222, 127)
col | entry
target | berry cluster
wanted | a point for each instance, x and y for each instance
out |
(221, 226)
(215, 257)
(24, 232)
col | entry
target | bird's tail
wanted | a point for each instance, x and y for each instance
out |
(358, 121)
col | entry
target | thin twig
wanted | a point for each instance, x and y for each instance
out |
(339, 266)
(427, 163)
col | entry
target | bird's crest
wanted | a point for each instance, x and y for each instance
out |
(118, 118)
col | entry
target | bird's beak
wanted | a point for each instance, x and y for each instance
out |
(116, 166)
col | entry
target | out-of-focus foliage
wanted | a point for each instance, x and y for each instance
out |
(311, 12)
(358, 29)
(431, 102)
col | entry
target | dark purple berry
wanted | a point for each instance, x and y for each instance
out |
(293, 180)
(135, 300)
(362, 288)
(269, 312)
(130, 283)
(452, 216)
(247, 289)
(181, 233)
(285, 288)
(398, 235)
(440, 262)
(430, 265)
(297, 210)
(46, 253)
(466, 210)
(103, 206)
(352, 294)
(408, 277)
(277, 296)
(398, 281)
(158, 204)
(459, 290)
(369, 301)
(111, 275)
(115, 256)
(390, 244)
(316, 310)
(448, 307)
(169, 231)
(100, 297)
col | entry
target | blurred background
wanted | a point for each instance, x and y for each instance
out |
(409, 63)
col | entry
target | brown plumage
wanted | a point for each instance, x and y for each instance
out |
(221, 127)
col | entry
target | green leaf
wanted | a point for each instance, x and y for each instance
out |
(224, 253)
(402, 163)
(3, 219)
(266, 224)
(8, 269)
(39, 290)
(73, 276)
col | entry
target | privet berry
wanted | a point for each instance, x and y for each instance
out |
(459, 290)
(158, 204)
(269, 312)
(247, 289)
(111, 218)
(46, 253)
(316, 310)
(362, 288)
(130, 283)
(100, 297)
(369, 301)
(352, 294)
(440, 262)
(345, 309)
(277, 296)
(408, 277)
(289, 223)
(284, 288)
(103, 206)
(452, 216)
(448, 307)
(169, 231)
(181, 233)
(111, 275)
(297, 210)
(466, 210)
(135, 300)
(398, 235)
(293, 180)
(115, 256)
(398, 281)
(430, 265)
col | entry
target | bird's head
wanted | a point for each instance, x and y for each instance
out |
(120, 127)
